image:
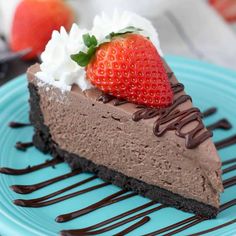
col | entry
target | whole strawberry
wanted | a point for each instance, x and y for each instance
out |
(128, 67)
(34, 22)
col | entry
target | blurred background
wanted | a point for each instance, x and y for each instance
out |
(199, 29)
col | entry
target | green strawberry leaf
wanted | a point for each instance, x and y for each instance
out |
(83, 58)
(90, 40)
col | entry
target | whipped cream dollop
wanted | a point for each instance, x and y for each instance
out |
(57, 67)
(105, 24)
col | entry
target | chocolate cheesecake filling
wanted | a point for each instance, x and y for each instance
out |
(73, 125)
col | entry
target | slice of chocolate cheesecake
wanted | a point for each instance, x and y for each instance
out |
(165, 154)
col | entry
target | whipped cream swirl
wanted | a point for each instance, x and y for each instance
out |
(104, 24)
(57, 67)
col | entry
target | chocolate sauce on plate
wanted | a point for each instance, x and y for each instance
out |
(189, 222)
(230, 161)
(173, 226)
(134, 226)
(112, 226)
(29, 169)
(40, 202)
(209, 112)
(220, 124)
(228, 205)
(115, 218)
(214, 228)
(16, 125)
(226, 142)
(113, 198)
(25, 189)
(229, 182)
(229, 169)
(23, 146)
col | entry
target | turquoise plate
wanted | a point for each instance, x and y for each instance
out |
(209, 86)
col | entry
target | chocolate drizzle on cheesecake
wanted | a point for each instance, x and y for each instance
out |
(176, 121)
(173, 118)
(177, 88)
(105, 98)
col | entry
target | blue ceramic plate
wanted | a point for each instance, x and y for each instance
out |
(209, 86)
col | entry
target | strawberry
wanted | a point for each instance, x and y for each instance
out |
(227, 8)
(34, 22)
(129, 67)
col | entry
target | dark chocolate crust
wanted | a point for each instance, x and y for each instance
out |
(43, 141)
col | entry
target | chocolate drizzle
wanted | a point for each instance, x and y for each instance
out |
(173, 226)
(25, 189)
(229, 169)
(110, 220)
(189, 222)
(170, 74)
(220, 124)
(229, 182)
(228, 205)
(230, 161)
(29, 169)
(41, 202)
(23, 146)
(209, 112)
(106, 98)
(177, 88)
(104, 202)
(214, 228)
(112, 226)
(226, 142)
(176, 120)
(16, 125)
(134, 226)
